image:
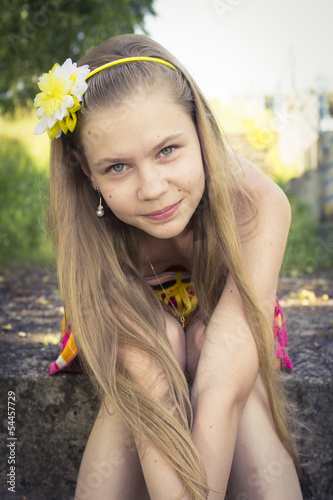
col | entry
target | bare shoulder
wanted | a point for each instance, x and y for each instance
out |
(264, 248)
(268, 192)
(273, 204)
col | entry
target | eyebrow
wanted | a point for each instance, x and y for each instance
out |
(159, 146)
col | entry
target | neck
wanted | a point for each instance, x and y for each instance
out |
(163, 254)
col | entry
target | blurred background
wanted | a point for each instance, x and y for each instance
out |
(264, 65)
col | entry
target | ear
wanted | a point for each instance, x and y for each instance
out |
(93, 183)
(82, 160)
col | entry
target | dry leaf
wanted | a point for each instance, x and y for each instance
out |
(7, 327)
(43, 301)
(307, 295)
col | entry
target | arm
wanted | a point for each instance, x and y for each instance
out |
(228, 364)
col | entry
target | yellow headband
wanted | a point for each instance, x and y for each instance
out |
(130, 59)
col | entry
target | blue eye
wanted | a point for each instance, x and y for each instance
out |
(118, 168)
(167, 151)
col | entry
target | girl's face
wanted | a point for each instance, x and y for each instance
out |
(145, 158)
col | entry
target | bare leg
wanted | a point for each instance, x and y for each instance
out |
(110, 468)
(262, 469)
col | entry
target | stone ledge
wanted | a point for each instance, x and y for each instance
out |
(54, 416)
(40, 494)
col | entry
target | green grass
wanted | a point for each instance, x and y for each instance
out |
(307, 250)
(301, 244)
(20, 126)
(22, 206)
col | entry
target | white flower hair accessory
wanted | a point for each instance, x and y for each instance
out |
(62, 90)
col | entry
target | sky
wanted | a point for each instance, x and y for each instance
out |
(249, 46)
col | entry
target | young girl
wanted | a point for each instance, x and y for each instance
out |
(168, 252)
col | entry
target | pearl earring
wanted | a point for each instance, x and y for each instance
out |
(100, 210)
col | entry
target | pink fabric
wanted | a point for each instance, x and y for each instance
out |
(67, 358)
(53, 368)
(281, 338)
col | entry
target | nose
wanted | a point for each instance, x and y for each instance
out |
(152, 183)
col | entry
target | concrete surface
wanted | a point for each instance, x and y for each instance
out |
(54, 415)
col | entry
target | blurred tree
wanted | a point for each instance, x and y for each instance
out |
(34, 34)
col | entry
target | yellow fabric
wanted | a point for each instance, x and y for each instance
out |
(186, 303)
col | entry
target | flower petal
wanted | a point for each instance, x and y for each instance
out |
(69, 102)
(61, 113)
(54, 132)
(67, 69)
(39, 99)
(71, 121)
(63, 126)
(79, 89)
(51, 121)
(41, 126)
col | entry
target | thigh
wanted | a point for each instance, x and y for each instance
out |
(262, 469)
(110, 468)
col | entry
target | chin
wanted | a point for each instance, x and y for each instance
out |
(167, 234)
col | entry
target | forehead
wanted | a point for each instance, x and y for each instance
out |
(136, 124)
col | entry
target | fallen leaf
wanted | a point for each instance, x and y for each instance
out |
(307, 295)
(51, 339)
(43, 301)
(7, 327)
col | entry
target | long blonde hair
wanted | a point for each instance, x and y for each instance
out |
(100, 277)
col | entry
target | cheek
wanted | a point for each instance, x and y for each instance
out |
(119, 205)
(112, 200)
(199, 182)
(200, 191)
(193, 174)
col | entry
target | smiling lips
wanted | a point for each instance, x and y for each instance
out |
(163, 214)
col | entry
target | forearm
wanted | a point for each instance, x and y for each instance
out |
(226, 372)
(214, 433)
(217, 410)
(228, 358)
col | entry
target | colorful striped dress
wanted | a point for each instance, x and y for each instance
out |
(180, 296)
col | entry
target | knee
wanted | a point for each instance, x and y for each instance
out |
(176, 337)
